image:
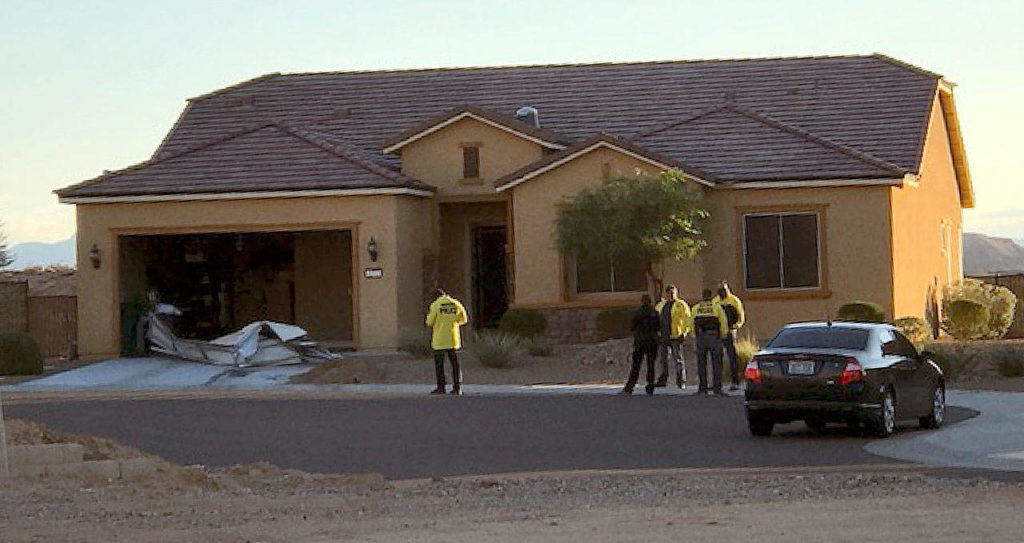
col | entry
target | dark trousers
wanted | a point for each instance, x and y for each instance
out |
(672, 350)
(641, 351)
(439, 367)
(729, 342)
(709, 345)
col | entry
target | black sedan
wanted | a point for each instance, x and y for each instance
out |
(855, 373)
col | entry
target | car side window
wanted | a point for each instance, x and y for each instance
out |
(896, 344)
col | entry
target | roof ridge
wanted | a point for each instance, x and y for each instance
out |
(345, 152)
(908, 66)
(808, 135)
(672, 124)
(577, 64)
(153, 161)
(235, 86)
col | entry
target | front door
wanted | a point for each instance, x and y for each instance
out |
(489, 281)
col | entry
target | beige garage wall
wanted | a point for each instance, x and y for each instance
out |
(376, 300)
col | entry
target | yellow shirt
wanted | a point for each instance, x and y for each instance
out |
(709, 308)
(680, 317)
(445, 317)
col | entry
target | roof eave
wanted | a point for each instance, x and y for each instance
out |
(956, 146)
(251, 195)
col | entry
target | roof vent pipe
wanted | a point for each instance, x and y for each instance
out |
(529, 115)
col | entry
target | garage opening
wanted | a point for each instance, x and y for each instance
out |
(224, 281)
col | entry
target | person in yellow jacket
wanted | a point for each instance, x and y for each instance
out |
(444, 318)
(733, 308)
(674, 315)
(709, 325)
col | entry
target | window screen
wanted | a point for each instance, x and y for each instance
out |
(470, 162)
(781, 250)
(624, 274)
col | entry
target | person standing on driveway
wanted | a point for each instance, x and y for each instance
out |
(710, 325)
(646, 327)
(733, 309)
(675, 323)
(444, 318)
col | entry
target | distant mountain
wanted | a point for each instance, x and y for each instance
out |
(986, 254)
(27, 255)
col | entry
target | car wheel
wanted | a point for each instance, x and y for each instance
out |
(760, 425)
(937, 416)
(883, 421)
(815, 424)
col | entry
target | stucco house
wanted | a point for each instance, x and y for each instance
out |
(337, 200)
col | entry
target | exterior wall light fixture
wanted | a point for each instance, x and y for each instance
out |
(372, 249)
(94, 256)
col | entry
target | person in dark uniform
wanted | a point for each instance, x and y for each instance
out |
(709, 325)
(646, 327)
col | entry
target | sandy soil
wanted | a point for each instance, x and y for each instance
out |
(607, 362)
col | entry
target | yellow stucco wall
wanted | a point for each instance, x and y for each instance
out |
(376, 300)
(539, 274)
(855, 256)
(437, 158)
(455, 257)
(919, 212)
(416, 237)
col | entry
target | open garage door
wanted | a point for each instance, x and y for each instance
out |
(223, 281)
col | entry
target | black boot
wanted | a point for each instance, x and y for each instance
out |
(438, 390)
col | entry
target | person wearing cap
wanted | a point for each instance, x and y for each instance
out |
(674, 314)
(709, 325)
(646, 327)
(444, 318)
(733, 308)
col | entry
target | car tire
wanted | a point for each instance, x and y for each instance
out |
(760, 425)
(937, 415)
(815, 424)
(882, 422)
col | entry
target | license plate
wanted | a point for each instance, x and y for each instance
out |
(801, 367)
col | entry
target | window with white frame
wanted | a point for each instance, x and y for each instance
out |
(782, 250)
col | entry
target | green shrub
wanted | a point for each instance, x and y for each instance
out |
(539, 346)
(1009, 363)
(955, 361)
(914, 328)
(19, 355)
(861, 311)
(497, 349)
(415, 341)
(965, 319)
(614, 323)
(745, 349)
(999, 301)
(526, 323)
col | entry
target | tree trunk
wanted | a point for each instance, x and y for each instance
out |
(654, 280)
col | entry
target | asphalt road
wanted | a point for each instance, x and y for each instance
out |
(445, 436)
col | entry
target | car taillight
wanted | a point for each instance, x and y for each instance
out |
(852, 373)
(752, 373)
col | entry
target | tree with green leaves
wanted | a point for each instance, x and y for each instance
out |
(6, 258)
(650, 218)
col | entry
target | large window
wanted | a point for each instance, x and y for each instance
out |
(623, 274)
(782, 250)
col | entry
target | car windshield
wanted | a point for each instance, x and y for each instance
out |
(823, 337)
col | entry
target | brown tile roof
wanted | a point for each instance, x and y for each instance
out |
(508, 121)
(609, 139)
(266, 157)
(858, 112)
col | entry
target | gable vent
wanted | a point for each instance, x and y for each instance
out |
(529, 115)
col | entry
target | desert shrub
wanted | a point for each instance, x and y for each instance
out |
(914, 328)
(965, 319)
(1009, 362)
(614, 323)
(415, 341)
(19, 355)
(745, 349)
(999, 301)
(955, 361)
(526, 323)
(861, 311)
(497, 349)
(539, 346)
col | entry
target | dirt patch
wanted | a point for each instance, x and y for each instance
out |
(23, 432)
(982, 359)
(606, 362)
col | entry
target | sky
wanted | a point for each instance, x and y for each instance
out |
(88, 86)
